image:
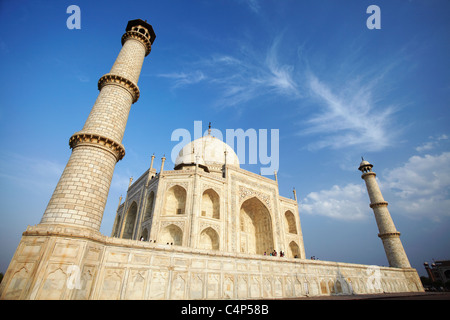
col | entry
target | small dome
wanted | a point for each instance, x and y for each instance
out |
(209, 150)
(364, 164)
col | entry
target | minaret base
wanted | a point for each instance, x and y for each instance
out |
(395, 252)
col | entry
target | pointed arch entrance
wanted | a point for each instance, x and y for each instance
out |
(256, 231)
(175, 202)
(210, 204)
(290, 222)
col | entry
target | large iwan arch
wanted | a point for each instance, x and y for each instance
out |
(256, 231)
(129, 222)
(290, 222)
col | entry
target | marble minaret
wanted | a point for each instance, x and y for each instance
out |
(389, 235)
(80, 196)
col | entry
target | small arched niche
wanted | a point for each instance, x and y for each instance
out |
(294, 250)
(172, 235)
(175, 202)
(209, 239)
(290, 222)
(210, 204)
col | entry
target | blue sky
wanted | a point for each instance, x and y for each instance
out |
(334, 89)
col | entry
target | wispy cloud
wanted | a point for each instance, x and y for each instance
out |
(348, 117)
(433, 143)
(241, 79)
(342, 111)
(253, 5)
(29, 173)
(182, 79)
(279, 76)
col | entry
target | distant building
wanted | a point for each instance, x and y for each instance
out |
(439, 271)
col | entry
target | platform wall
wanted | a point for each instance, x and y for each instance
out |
(65, 263)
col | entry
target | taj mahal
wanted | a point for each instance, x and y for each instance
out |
(205, 229)
(238, 211)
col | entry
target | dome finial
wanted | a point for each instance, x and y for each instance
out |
(209, 129)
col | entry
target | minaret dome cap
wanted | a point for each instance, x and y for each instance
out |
(364, 163)
(139, 22)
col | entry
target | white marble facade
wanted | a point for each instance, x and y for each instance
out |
(210, 204)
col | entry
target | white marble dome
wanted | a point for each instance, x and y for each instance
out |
(210, 151)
